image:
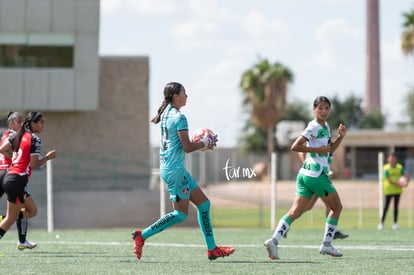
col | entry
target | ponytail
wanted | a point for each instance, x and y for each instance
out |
(157, 117)
(170, 90)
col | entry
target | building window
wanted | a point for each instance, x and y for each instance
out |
(36, 56)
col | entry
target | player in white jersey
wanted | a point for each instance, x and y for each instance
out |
(313, 179)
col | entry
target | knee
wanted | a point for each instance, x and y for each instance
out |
(339, 207)
(180, 216)
(29, 213)
(204, 206)
(294, 214)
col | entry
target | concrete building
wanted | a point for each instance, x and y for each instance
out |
(96, 111)
(49, 55)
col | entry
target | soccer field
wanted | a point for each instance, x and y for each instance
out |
(182, 251)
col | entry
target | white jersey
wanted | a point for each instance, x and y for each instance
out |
(316, 136)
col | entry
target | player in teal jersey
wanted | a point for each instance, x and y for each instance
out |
(175, 143)
(316, 142)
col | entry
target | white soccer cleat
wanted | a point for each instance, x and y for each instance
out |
(271, 248)
(380, 226)
(330, 250)
(26, 245)
(395, 226)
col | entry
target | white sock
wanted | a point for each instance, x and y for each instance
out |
(281, 230)
(330, 230)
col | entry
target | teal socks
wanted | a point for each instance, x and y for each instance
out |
(164, 222)
(203, 215)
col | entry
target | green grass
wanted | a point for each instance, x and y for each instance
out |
(182, 251)
(259, 217)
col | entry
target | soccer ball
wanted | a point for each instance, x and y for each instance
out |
(200, 134)
(403, 181)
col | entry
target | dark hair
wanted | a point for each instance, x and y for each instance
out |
(12, 116)
(392, 154)
(170, 89)
(25, 127)
(320, 99)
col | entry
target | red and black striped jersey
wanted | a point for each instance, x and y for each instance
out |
(29, 145)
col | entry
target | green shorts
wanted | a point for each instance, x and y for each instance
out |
(308, 186)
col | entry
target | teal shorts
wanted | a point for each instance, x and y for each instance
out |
(179, 183)
(308, 186)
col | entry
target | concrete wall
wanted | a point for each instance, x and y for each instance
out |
(118, 132)
(73, 23)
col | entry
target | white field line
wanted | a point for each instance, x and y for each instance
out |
(112, 243)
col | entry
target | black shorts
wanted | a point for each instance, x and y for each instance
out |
(15, 186)
(2, 174)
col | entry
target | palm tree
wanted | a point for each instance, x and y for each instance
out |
(265, 88)
(407, 38)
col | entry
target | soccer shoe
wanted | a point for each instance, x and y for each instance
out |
(395, 226)
(271, 248)
(138, 243)
(220, 251)
(26, 245)
(330, 250)
(380, 226)
(340, 235)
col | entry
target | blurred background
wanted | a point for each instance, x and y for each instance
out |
(97, 69)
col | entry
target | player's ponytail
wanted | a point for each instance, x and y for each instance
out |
(170, 90)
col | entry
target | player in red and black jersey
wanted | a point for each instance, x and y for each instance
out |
(24, 150)
(14, 120)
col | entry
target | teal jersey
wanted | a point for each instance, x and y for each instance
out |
(316, 136)
(172, 154)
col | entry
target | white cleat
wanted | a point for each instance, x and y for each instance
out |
(330, 250)
(26, 245)
(271, 248)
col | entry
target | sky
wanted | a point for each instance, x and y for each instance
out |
(207, 45)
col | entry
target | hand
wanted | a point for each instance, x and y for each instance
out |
(51, 154)
(324, 149)
(210, 141)
(342, 130)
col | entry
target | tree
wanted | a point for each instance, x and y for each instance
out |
(348, 112)
(407, 46)
(265, 87)
(298, 110)
(253, 138)
(351, 113)
(407, 38)
(409, 99)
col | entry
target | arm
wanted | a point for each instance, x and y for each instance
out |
(189, 146)
(36, 161)
(299, 145)
(6, 149)
(392, 182)
(341, 134)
